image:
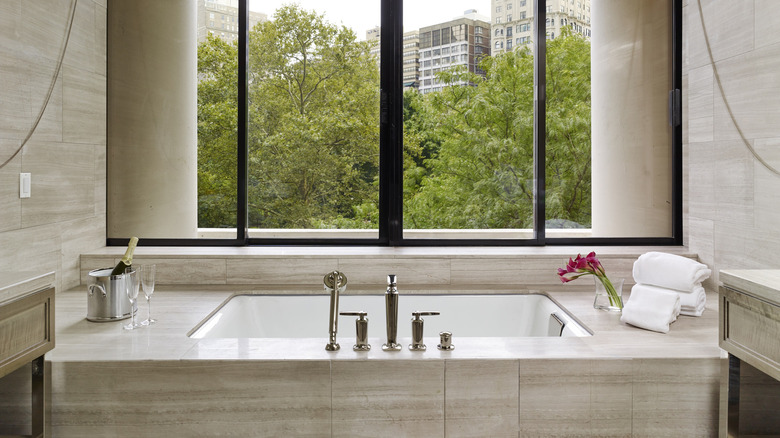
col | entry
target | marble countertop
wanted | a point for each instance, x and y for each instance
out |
(244, 252)
(179, 308)
(14, 284)
(761, 283)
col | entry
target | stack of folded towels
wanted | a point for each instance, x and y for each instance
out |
(666, 285)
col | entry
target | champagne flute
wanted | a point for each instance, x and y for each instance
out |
(147, 281)
(131, 287)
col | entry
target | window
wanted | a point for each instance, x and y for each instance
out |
(509, 31)
(522, 15)
(498, 20)
(508, 18)
(509, 6)
(498, 9)
(510, 187)
(522, 3)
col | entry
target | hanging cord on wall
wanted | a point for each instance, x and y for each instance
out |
(725, 101)
(51, 86)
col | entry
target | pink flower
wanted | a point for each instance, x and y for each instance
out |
(589, 265)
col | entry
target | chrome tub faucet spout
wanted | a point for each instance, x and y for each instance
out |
(391, 315)
(335, 282)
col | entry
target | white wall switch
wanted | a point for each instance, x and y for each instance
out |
(24, 185)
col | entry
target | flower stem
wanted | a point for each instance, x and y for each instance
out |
(614, 298)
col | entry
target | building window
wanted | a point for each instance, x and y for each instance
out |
(498, 9)
(508, 191)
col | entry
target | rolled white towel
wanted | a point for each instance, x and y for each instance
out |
(691, 303)
(670, 271)
(651, 308)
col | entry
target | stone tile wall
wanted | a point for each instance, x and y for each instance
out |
(66, 154)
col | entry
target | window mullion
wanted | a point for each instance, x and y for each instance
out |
(540, 97)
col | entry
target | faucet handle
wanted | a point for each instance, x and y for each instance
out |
(361, 330)
(418, 314)
(446, 341)
(417, 329)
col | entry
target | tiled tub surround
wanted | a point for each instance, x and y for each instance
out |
(621, 381)
(525, 267)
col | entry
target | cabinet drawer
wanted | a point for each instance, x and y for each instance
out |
(751, 326)
(26, 329)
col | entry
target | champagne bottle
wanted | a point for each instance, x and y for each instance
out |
(127, 259)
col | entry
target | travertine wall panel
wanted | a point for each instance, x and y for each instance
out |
(66, 152)
(732, 215)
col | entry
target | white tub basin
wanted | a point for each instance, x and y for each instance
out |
(306, 316)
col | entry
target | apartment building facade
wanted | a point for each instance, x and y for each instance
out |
(220, 18)
(458, 43)
(512, 21)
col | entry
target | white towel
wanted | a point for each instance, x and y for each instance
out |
(651, 308)
(670, 271)
(691, 303)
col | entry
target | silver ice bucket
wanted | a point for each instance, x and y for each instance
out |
(107, 295)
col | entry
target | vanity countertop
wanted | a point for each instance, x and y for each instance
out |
(761, 283)
(179, 308)
(14, 284)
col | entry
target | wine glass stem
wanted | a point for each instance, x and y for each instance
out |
(132, 312)
(149, 314)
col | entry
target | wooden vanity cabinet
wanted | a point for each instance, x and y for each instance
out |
(749, 330)
(26, 334)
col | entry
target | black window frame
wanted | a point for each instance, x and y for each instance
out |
(390, 232)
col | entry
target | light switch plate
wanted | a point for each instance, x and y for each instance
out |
(25, 181)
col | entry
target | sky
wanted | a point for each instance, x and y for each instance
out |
(362, 15)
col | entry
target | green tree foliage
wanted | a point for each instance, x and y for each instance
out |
(217, 116)
(313, 126)
(314, 123)
(481, 174)
(568, 192)
(314, 134)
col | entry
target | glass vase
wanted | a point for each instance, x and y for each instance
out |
(604, 301)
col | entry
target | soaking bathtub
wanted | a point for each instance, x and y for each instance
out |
(306, 316)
